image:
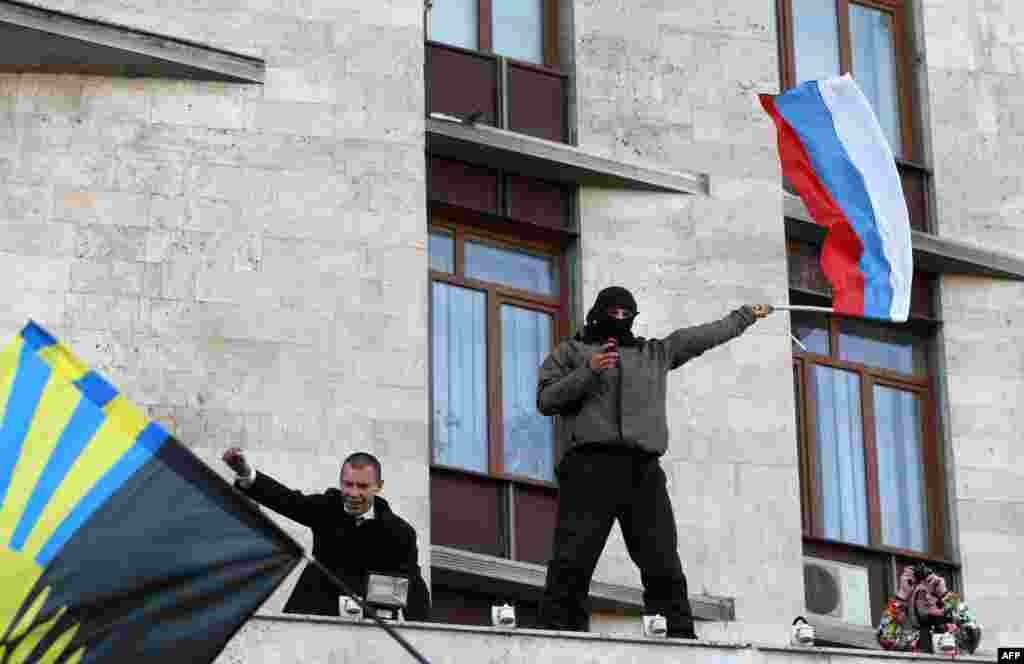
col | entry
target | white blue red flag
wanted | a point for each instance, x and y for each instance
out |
(834, 153)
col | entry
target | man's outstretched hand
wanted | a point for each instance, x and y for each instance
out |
(235, 460)
(762, 310)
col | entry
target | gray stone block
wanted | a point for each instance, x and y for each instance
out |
(110, 243)
(106, 277)
(102, 207)
(110, 313)
(37, 238)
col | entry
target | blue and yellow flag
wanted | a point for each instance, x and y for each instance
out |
(116, 543)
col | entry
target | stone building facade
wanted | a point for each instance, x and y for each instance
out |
(260, 260)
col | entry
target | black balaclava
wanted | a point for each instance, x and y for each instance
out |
(601, 327)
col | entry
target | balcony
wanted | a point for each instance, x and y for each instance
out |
(287, 639)
(507, 94)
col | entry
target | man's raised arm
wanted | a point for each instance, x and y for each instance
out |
(687, 343)
(269, 492)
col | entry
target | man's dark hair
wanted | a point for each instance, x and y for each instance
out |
(361, 460)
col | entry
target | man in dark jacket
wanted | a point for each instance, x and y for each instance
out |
(354, 533)
(608, 389)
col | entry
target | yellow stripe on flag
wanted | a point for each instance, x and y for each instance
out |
(56, 406)
(63, 362)
(115, 436)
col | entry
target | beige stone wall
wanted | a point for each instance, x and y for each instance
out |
(975, 77)
(247, 261)
(674, 85)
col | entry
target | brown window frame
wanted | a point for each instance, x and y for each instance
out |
(884, 563)
(550, 17)
(904, 52)
(497, 295)
(934, 474)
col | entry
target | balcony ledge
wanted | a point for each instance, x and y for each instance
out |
(41, 40)
(547, 160)
(286, 639)
(932, 253)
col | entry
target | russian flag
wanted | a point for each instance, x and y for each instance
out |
(835, 154)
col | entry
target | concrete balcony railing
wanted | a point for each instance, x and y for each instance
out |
(286, 639)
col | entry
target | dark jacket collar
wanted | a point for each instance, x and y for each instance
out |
(381, 507)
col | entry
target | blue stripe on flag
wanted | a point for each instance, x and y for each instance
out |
(36, 337)
(76, 435)
(806, 112)
(30, 380)
(146, 445)
(96, 388)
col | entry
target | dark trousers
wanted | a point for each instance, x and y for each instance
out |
(597, 485)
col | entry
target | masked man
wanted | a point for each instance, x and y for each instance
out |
(608, 387)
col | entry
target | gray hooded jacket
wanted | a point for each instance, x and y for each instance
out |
(625, 405)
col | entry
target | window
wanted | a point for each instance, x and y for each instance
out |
(871, 470)
(497, 61)
(869, 39)
(498, 306)
(823, 38)
(865, 402)
(524, 30)
(494, 310)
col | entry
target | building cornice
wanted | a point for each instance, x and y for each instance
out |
(548, 160)
(35, 39)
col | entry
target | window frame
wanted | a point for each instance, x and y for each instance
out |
(496, 296)
(904, 66)
(485, 35)
(934, 472)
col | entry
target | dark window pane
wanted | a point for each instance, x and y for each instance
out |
(517, 269)
(452, 606)
(461, 184)
(518, 29)
(466, 512)
(537, 201)
(916, 193)
(536, 510)
(460, 83)
(458, 605)
(528, 435)
(921, 295)
(536, 103)
(803, 261)
(842, 482)
(881, 346)
(873, 38)
(441, 250)
(901, 482)
(459, 357)
(815, 39)
(811, 330)
(455, 22)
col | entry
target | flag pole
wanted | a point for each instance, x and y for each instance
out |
(802, 307)
(366, 611)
